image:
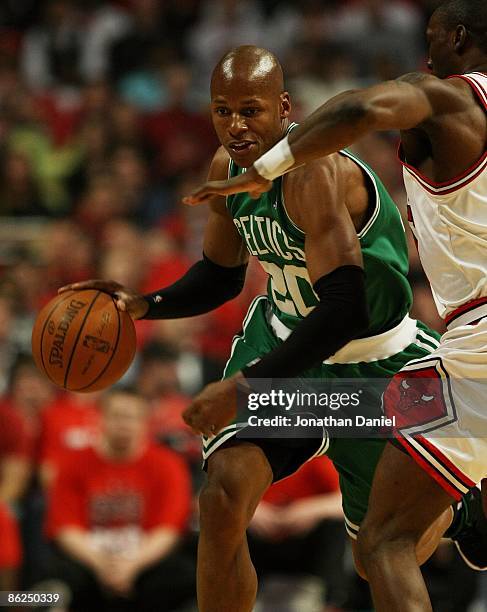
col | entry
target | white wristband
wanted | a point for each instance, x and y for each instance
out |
(276, 161)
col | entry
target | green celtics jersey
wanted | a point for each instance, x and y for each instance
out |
(278, 243)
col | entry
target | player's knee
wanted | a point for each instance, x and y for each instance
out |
(225, 500)
(220, 509)
(237, 479)
(369, 540)
(375, 540)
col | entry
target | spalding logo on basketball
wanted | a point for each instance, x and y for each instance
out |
(82, 342)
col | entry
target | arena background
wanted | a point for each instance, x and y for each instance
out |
(104, 125)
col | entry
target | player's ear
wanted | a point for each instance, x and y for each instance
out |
(460, 38)
(285, 105)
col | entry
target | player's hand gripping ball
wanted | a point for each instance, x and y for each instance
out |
(82, 342)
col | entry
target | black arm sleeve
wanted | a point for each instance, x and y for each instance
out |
(204, 287)
(340, 316)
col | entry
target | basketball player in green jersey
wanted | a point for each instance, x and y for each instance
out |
(336, 307)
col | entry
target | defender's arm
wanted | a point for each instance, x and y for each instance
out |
(409, 102)
(402, 104)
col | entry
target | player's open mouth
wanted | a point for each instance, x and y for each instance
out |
(243, 146)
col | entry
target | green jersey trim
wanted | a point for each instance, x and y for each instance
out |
(369, 173)
(351, 528)
(377, 203)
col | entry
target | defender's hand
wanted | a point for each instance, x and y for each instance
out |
(250, 181)
(214, 407)
(126, 300)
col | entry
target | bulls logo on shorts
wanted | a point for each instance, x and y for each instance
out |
(413, 394)
(418, 398)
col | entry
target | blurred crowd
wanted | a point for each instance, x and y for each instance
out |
(104, 125)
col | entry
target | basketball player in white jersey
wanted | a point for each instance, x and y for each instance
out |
(439, 449)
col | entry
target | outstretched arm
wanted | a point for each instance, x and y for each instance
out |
(403, 104)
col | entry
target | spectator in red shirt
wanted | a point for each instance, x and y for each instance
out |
(117, 513)
(10, 551)
(70, 422)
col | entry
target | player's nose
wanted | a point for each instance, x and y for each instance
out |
(237, 125)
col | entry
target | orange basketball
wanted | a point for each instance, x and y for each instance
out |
(82, 341)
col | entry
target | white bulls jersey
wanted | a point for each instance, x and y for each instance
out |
(449, 222)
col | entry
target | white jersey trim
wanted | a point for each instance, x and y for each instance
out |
(476, 80)
(448, 186)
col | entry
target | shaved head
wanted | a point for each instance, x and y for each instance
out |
(249, 67)
(250, 108)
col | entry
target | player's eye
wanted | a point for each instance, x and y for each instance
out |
(222, 111)
(250, 112)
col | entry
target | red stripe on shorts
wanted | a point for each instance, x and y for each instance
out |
(429, 469)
